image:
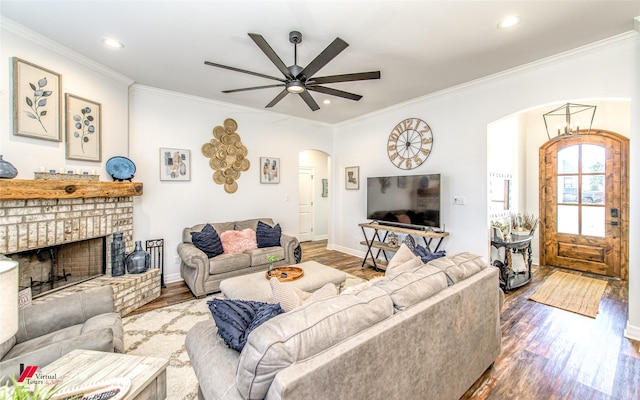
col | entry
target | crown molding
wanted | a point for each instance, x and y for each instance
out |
(136, 87)
(25, 33)
(609, 42)
(636, 23)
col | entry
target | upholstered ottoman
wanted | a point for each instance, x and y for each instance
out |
(256, 286)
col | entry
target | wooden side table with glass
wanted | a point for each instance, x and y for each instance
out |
(512, 246)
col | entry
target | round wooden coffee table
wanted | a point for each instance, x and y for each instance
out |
(285, 274)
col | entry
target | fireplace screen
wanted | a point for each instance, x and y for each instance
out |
(50, 268)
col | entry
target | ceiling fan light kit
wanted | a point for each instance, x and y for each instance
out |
(295, 87)
(298, 80)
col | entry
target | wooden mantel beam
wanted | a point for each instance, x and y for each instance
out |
(23, 189)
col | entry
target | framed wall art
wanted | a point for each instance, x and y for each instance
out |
(37, 101)
(84, 129)
(269, 170)
(175, 164)
(352, 178)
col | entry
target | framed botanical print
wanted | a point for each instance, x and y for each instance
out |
(352, 178)
(37, 101)
(84, 129)
(269, 170)
(175, 164)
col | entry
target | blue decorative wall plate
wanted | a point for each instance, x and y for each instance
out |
(121, 168)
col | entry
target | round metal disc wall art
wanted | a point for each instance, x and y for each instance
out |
(227, 155)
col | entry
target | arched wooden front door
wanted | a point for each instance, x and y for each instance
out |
(584, 203)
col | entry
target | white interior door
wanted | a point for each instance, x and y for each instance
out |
(305, 206)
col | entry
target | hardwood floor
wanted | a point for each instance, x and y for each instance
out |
(547, 353)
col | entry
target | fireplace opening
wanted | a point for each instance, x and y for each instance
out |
(51, 268)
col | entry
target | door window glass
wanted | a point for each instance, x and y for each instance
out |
(568, 189)
(568, 160)
(593, 189)
(593, 158)
(593, 221)
(568, 220)
(581, 190)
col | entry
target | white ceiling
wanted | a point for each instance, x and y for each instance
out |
(420, 47)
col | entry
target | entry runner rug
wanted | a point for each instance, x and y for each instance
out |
(161, 333)
(571, 292)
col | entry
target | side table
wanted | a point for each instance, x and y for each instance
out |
(148, 375)
(510, 279)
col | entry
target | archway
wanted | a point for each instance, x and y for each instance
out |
(512, 149)
(315, 195)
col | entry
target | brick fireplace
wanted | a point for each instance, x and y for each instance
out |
(53, 267)
(37, 216)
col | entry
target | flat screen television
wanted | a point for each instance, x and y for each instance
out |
(411, 201)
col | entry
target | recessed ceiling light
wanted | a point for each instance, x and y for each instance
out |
(109, 42)
(326, 101)
(508, 22)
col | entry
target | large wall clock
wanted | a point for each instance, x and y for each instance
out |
(410, 143)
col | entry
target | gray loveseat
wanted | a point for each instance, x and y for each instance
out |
(203, 275)
(48, 330)
(426, 333)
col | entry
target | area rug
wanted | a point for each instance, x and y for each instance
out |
(161, 333)
(571, 292)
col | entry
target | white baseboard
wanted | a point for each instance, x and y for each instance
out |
(346, 250)
(632, 332)
(321, 237)
(173, 278)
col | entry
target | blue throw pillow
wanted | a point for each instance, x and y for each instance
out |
(236, 319)
(208, 241)
(425, 255)
(268, 236)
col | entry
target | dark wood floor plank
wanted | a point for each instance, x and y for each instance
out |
(547, 353)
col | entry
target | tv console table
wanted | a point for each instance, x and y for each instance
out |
(376, 242)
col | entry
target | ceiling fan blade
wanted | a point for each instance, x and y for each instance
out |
(309, 100)
(335, 92)
(244, 71)
(323, 58)
(268, 51)
(251, 88)
(279, 97)
(360, 76)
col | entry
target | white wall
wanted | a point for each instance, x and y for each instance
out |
(459, 119)
(633, 323)
(80, 77)
(319, 161)
(166, 119)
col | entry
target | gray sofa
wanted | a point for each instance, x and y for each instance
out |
(203, 275)
(48, 330)
(427, 333)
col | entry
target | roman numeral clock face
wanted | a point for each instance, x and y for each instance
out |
(410, 143)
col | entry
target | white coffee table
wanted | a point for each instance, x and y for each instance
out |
(256, 286)
(148, 375)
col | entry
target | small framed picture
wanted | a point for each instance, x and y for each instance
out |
(84, 129)
(37, 101)
(175, 164)
(269, 170)
(352, 178)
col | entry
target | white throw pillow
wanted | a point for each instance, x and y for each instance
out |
(403, 260)
(362, 286)
(291, 297)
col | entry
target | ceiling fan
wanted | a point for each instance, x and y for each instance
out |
(298, 80)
